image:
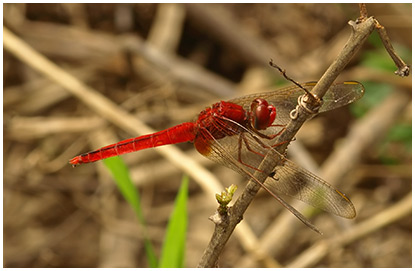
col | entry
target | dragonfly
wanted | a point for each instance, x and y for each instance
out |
(242, 133)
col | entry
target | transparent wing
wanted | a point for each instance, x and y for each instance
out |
(342, 94)
(285, 99)
(225, 154)
(243, 151)
(301, 184)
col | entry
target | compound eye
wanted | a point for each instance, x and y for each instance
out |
(263, 114)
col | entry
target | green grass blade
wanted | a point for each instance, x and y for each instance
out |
(173, 250)
(119, 172)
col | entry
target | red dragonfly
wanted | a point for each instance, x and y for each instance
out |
(239, 133)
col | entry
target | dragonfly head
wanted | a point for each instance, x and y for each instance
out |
(262, 114)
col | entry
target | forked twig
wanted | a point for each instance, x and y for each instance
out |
(403, 68)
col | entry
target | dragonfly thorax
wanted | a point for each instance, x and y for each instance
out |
(222, 119)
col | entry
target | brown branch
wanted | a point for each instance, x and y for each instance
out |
(363, 12)
(403, 68)
(223, 229)
(167, 28)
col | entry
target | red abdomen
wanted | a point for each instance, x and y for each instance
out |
(181, 133)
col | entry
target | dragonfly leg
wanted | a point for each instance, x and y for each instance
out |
(271, 137)
(274, 135)
(279, 144)
(244, 140)
(278, 125)
(248, 147)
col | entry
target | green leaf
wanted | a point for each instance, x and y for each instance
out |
(378, 60)
(397, 145)
(401, 132)
(172, 254)
(375, 40)
(374, 95)
(121, 175)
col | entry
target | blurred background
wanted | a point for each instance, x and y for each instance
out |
(183, 58)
